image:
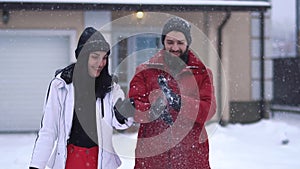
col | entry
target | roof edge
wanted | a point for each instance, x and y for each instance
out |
(132, 5)
(151, 2)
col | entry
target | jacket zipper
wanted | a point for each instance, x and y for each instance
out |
(101, 147)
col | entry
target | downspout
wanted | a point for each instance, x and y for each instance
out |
(219, 86)
(262, 65)
(297, 29)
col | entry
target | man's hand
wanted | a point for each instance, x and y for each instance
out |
(159, 110)
(174, 100)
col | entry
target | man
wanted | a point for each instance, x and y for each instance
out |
(174, 97)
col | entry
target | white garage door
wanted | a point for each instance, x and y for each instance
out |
(27, 64)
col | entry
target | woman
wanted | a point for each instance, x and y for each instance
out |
(79, 112)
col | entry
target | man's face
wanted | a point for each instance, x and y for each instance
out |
(175, 43)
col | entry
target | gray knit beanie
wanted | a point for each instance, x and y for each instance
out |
(91, 40)
(177, 24)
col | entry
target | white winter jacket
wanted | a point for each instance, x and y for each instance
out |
(51, 144)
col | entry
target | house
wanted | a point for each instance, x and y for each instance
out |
(39, 36)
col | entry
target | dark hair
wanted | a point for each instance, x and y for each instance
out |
(103, 83)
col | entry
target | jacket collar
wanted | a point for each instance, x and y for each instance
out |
(194, 62)
(62, 83)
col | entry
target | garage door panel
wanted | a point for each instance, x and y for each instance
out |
(27, 65)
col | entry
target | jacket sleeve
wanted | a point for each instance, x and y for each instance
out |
(139, 92)
(117, 93)
(203, 108)
(49, 128)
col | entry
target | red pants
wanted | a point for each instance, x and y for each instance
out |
(82, 158)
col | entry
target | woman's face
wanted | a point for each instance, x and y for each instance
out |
(97, 61)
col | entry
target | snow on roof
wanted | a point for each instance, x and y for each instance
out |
(153, 2)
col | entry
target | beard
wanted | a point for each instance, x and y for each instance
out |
(175, 63)
(183, 54)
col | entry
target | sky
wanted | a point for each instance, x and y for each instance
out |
(237, 146)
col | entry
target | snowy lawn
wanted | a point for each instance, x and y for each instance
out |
(252, 146)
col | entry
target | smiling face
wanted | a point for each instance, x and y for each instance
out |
(175, 43)
(97, 61)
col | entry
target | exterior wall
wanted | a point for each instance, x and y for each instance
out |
(44, 20)
(237, 60)
(214, 20)
(238, 56)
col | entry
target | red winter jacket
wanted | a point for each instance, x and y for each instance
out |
(184, 144)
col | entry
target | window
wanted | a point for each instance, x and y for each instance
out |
(132, 51)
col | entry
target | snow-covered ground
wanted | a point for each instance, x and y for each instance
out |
(252, 146)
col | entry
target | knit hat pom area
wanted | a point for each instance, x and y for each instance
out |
(177, 24)
(91, 40)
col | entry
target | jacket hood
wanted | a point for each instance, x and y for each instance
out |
(91, 40)
(66, 73)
